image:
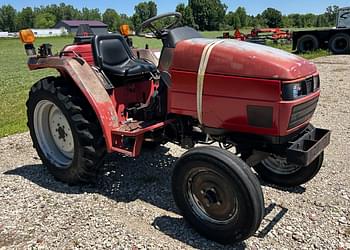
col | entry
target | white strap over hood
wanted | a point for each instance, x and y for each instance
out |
(201, 74)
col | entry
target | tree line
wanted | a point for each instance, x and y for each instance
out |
(200, 14)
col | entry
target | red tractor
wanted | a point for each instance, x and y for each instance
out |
(111, 98)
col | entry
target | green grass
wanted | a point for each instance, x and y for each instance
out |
(140, 42)
(308, 55)
(16, 79)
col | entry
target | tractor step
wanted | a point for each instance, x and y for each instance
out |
(128, 138)
(136, 128)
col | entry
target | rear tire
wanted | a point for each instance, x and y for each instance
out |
(65, 131)
(277, 171)
(307, 43)
(340, 44)
(218, 194)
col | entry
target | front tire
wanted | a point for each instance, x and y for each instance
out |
(218, 194)
(64, 130)
(277, 170)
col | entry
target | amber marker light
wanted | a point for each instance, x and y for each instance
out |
(124, 29)
(27, 36)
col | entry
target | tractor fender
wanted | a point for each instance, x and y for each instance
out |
(90, 85)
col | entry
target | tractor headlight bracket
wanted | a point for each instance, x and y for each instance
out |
(30, 49)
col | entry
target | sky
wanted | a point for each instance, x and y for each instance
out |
(253, 7)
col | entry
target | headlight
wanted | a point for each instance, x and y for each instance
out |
(296, 90)
(292, 91)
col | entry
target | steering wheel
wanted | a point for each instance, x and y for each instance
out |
(148, 24)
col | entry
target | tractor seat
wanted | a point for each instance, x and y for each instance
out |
(113, 55)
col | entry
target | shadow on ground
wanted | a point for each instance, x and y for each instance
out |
(147, 178)
(295, 190)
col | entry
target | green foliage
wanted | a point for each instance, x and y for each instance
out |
(143, 11)
(321, 21)
(90, 14)
(272, 17)
(331, 14)
(242, 16)
(112, 19)
(67, 12)
(309, 20)
(44, 20)
(294, 20)
(258, 21)
(208, 14)
(25, 18)
(7, 18)
(233, 20)
(61, 11)
(200, 14)
(187, 15)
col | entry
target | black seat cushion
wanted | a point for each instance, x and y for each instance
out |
(113, 55)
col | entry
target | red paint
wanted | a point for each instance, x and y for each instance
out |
(131, 93)
(237, 58)
(238, 74)
(225, 101)
(83, 50)
(91, 87)
(285, 109)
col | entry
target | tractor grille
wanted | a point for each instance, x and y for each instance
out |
(302, 113)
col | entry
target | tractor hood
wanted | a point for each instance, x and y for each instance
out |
(232, 57)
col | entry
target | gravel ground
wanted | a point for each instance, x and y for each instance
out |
(132, 206)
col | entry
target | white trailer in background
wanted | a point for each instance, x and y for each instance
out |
(49, 32)
(4, 34)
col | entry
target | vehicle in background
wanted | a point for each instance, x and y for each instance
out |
(261, 36)
(337, 39)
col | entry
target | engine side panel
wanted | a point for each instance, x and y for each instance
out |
(236, 104)
(225, 100)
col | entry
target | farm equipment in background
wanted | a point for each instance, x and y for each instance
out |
(110, 98)
(337, 40)
(274, 34)
(260, 36)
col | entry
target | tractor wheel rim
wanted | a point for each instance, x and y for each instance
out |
(53, 133)
(279, 165)
(211, 196)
